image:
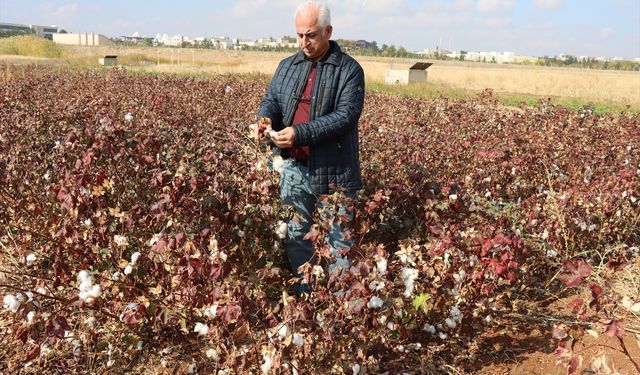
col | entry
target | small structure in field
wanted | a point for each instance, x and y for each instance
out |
(416, 73)
(108, 60)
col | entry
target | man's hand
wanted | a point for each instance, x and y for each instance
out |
(284, 138)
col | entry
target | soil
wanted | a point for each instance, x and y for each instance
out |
(525, 346)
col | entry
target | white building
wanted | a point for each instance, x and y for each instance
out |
(84, 39)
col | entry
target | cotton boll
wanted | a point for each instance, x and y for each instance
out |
(211, 311)
(278, 164)
(375, 303)
(139, 345)
(409, 275)
(201, 329)
(212, 354)
(281, 229)
(128, 117)
(381, 265)
(193, 368)
(283, 331)
(83, 275)
(134, 257)
(31, 258)
(11, 303)
(356, 369)
(128, 269)
(298, 339)
(429, 328)
(450, 323)
(90, 322)
(30, 316)
(442, 335)
(86, 285)
(96, 291)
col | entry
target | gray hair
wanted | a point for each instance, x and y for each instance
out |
(324, 15)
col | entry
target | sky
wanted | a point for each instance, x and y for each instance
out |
(528, 27)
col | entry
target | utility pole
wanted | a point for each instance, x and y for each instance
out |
(171, 56)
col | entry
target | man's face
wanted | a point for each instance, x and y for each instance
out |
(311, 38)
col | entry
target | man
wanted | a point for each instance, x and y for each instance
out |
(313, 105)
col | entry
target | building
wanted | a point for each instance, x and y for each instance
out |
(416, 73)
(41, 31)
(109, 60)
(85, 39)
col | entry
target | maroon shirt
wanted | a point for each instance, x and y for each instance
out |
(303, 115)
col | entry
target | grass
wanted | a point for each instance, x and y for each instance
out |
(30, 45)
(434, 90)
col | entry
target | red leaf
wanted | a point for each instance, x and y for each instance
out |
(574, 363)
(559, 332)
(33, 353)
(576, 272)
(231, 313)
(616, 328)
(56, 327)
(486, 246)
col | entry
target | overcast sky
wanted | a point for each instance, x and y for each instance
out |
(528, 27)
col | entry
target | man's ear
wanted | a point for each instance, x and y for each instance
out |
(328, 31)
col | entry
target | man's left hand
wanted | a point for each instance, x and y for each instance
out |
(284, 138)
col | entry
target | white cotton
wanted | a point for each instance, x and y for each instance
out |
(211, 311)
(213, 246)
(120, 240)
(90, 322)
(11, 303)
(283, 331)
(429, 328)
(30, 316)
(375, 302)
(116, 276)
(96, 291)
(318, 271)
(128, 269)
(223, 256)
(382, 319)
(409, 276)
(298, 339)
(267, 362)
(83, 275)
(134, 258)
(86, 285)
(281, 229)
(31, 258)
(278, 164)
(128, 116)
(212, 354)
(193, 368)
(391, 326)
(453, 197)
(456, 314)
(381, 265)
(356, 369)
(376, 285)
(139, 345)
(442, 335)
(450, 323)
(201, 329)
